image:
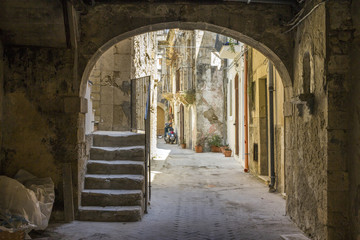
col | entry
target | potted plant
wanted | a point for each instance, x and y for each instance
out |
(183, 143)
(215, 143)
(199, 144)
(222, 148)
(227, 152)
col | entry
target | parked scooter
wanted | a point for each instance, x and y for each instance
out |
(170, 135)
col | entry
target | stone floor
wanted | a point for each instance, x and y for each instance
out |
(196, 196)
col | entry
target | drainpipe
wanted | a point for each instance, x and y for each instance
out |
(246, 169)
(271, 120)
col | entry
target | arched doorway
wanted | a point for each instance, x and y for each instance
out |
(93, 47)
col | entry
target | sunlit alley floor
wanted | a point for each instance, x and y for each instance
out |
(196, 196)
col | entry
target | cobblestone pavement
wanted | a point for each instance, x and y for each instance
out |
(196, 196)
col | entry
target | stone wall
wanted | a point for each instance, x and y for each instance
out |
(111, 88)
(210, 112)
(40, 114)
(339, 36)
(143, 63)
(354, 140)
(306, 134)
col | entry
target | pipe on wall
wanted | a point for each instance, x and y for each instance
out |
(271, 127)
(292, 3)
(246, 169)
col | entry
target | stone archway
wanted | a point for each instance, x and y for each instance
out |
(107, 24)
(116, 22)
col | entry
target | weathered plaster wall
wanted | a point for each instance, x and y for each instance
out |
(143, 63)
(306, 134)
(279, 136)
(111, 88)
(235, 67)
(354, 150)
(258, 96)
(209, 92)
(40, 114)
(258, 112)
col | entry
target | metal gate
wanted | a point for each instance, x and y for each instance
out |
(140, 122)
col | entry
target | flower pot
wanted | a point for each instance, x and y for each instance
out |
(227, 153)
(199, 149)
(215, 149)
(183, 145)
(222, 149)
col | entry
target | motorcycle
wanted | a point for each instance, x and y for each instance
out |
(170, 135)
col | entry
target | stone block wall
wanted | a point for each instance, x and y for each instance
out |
(338, 42)
(306, 135)
(111, 88)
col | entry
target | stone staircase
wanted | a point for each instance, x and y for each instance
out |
(114, 182)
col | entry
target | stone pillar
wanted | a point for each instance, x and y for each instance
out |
(339, 38)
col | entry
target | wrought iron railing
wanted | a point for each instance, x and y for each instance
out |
(140, 122)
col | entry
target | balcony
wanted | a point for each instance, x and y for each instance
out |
(230, 51)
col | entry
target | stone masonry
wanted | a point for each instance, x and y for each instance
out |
(46, 72)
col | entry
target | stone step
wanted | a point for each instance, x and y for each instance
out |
(110, 214)
(115, 139)
(115, 182)
(98, 197)
(136, 153)
(115, 167)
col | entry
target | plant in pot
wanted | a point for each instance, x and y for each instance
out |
(222, 148)
(215, 143)
(227, 152)
(199, 144)
(199, 147)
(183, 143)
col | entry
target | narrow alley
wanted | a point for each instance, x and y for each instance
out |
(196, 196)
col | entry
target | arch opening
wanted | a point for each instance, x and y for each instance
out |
(213, 115)
(280, 66)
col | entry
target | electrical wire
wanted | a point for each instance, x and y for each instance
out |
(307, 15)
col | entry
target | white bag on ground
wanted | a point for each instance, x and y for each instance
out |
(44, 192)
(25, 202)
(19, 206)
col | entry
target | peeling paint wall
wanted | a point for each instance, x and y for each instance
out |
(111, 88)
(144, 64)
(209, 91)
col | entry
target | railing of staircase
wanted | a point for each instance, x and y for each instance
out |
(140, 122)
(147, 151)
